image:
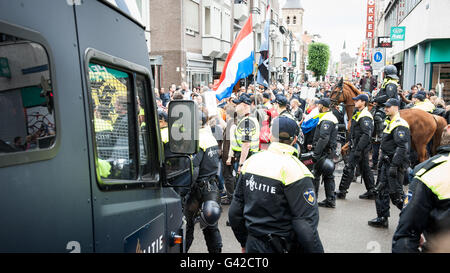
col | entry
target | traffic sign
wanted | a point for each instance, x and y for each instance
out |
(378, 57)
(378, 60)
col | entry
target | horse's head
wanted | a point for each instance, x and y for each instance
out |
(337, 93)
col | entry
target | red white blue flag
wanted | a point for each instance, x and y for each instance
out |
(239, 63)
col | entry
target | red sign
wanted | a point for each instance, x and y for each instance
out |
(370, 26)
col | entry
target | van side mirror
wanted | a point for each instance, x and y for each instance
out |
(183, 127)
(179, 171)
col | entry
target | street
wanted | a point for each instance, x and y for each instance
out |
(341, 230)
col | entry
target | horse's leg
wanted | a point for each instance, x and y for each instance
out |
(422, 152)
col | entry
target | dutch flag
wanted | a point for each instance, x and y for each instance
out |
(239, 63)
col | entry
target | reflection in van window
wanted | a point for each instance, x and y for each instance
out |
(114, 125)
(27, 118)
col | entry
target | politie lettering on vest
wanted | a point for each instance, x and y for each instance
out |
(267, 208)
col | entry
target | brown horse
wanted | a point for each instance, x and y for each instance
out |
(422, 125)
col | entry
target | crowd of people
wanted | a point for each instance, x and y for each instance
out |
(251, 158)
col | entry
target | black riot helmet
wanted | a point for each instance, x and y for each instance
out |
(325, 166)
(210, 213)
(390, 71)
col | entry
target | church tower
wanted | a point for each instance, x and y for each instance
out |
(293, 16)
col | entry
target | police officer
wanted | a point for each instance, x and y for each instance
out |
(274, 207)
(427, 209)
(245, 137)
(394, 157)
(202, 201)
(280, 104)
(324, 147)
(360, 139)
(388, 90)
(421, 102)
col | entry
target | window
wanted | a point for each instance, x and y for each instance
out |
(288, 20)
(294, 20)
(191, 15)
(207, 21)
(27, 116)
(121, 132)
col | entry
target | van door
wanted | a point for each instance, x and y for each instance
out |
(45, 190)
(129, 208)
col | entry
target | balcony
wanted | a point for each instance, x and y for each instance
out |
(224, 49)
(211, 46)
(240, 10)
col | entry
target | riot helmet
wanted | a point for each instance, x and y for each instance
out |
(390, 71)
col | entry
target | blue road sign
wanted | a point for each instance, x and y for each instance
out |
(378, 57)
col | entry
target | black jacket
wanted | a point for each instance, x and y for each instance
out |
(395, 141)
(325, 136)
(206, 161)
(275, 195)
(427, 210)
(361, 131)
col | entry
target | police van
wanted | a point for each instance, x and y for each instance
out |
(82, 165)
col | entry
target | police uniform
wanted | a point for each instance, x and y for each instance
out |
(423, 103)
(428, 207)
(324, 146)
(274, 207)
(205, 187)
(247, 130)
(388, 90)
(360, 136)
(394, 158)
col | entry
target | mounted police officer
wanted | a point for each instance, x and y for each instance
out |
(427, 209)
(324, 147)
(202, 201)
(360, 139)
(394, 157)
(388, 90)
(274, 207)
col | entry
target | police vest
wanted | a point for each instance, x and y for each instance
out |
(388, 81)
(426, 106)
(436, 176)
(101, 125)
(364, 113)
(284, 166)
(247, 130)
(206, 138)
(103, 167)
(394, 123)
(329, 116)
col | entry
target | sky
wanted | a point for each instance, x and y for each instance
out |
(336, 21)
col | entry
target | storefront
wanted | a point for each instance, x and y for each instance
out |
(437, 63)
(199, 70)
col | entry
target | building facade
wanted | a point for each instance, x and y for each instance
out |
(423, 56)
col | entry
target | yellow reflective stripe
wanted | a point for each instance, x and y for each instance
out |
(394, 123)
(329, 117)
(103, 168)
(285, 168)
(388, 81)
(207, 139)
(236, 137)
(437, 178)
(364, 113)
(102, 125)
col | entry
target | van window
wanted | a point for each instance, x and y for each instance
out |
(27, 116)
(114, 123)
(143, 129)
